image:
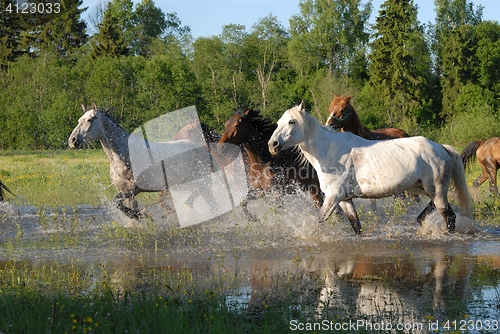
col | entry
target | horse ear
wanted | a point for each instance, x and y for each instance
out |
(83, 108)
(248, 111)
(348, 98)
(301, 106)
(94, 106)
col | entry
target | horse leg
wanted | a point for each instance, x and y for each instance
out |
(449, 217)
(350, 211)
(492, 175)
(481, 178)
(428, 209)
(248, 215)
(131, 213)
(331, 204)
(316, 195)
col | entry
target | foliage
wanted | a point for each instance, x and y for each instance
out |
(400, 62)
(328, 33)
(141, 63)
(476, 118)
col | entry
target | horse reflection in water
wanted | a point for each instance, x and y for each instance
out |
(187, 158)
(394, 289)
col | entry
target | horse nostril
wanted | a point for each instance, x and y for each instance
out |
(275, 144)
(221, 148)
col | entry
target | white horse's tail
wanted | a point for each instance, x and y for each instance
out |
(458, 177)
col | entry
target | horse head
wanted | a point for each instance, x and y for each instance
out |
(290, 131)
(339, 113)
(86, 130)
(237, 129)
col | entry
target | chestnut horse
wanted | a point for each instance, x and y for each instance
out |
(247, 127)
(488, 155)
(344, 117)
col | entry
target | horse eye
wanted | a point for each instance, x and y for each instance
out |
(292, 121)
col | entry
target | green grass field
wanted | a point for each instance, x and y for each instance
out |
(57, 178)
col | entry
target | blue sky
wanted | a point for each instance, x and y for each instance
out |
(207, 17)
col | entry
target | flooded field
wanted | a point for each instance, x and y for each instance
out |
(397, 273)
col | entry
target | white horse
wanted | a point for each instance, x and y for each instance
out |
(186, 157)
(350, 167)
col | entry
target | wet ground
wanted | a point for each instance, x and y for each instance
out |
(397, 271)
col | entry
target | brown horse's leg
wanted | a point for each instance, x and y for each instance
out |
(449, 217)
(316, 195)
(481, 178)
(428, 209)
(492, 174)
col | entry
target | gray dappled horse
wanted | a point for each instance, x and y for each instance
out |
(96, 125)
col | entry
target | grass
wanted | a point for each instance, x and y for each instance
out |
(57, 178)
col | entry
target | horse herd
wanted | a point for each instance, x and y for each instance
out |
(333, 166)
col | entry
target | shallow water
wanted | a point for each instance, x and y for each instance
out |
(396, 272)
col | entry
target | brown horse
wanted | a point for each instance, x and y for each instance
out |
(488, 155)
(246, 127)
(344, 117)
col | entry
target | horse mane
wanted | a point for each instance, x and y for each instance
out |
(265, 125)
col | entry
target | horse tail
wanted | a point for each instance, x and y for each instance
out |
(469, 152)
(458, 177)
(2, 187)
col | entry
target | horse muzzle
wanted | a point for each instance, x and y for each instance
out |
(274, 146)
(74, 142)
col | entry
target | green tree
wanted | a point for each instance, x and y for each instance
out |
(219, 63)
(66, 31)
(328, 33)
(454, 48)
(488, 55)
(124, 17)
(268, 43)
(400, 63)
(10, 30)
(150, 23)
(110, 40)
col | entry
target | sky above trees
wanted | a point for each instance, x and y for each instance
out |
(207, 17)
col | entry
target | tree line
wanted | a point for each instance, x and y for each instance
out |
(438, 79)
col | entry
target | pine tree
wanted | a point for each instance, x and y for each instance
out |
(110, 40)
(400, 61)
(454, 47)
(66, 31)
(10, 31)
